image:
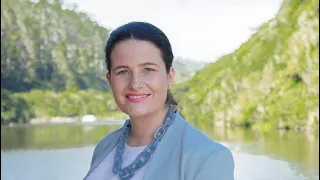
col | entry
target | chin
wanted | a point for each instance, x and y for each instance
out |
(136, 110)
(137, 113)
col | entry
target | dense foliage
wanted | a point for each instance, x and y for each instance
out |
(72, 103)
(46, 46)
(271, 81)
(14, 109)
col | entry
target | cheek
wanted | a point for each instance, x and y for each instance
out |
(117, 85)
(159, 85)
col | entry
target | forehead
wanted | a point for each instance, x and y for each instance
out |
(135, 52)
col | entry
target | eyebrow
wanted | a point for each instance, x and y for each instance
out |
(119, 67)
(148, 63)
(142, 64)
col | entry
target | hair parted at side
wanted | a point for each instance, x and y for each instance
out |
(147, 32)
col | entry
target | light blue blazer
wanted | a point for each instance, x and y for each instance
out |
(184, 153)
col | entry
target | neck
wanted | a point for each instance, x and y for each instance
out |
(143, 128)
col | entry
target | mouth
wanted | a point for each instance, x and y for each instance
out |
(137, 97)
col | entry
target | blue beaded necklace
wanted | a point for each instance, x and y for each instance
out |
(128, 172)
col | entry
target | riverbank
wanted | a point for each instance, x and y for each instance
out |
(67, 120)
(121, 119)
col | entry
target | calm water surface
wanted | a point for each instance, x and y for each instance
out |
(63, 152)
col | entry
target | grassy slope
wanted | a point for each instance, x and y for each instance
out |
(270, 81)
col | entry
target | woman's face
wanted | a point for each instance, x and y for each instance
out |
(138, 77)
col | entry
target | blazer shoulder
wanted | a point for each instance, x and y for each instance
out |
(219, 164)
(202, 155)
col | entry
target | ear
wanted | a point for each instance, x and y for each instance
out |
(108, 77)
(171, 75)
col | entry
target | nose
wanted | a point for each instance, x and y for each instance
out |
(135, 82)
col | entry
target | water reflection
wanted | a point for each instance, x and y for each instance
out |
(53, 136)
(298, 152)
(301, 150)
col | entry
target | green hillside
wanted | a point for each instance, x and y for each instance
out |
(271, 81)
(46, 46)
(49, 56)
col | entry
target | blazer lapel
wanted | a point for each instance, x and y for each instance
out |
(163, 149)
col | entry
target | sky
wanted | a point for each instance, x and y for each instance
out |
(200, 30)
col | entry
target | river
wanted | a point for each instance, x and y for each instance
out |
(63, 151)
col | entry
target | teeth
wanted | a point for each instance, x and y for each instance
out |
(136, 97)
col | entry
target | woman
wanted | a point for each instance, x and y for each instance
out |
(157, 143)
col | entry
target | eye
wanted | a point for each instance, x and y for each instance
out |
(148, 69)
(123, 72)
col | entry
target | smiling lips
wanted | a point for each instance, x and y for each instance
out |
(137, 97)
